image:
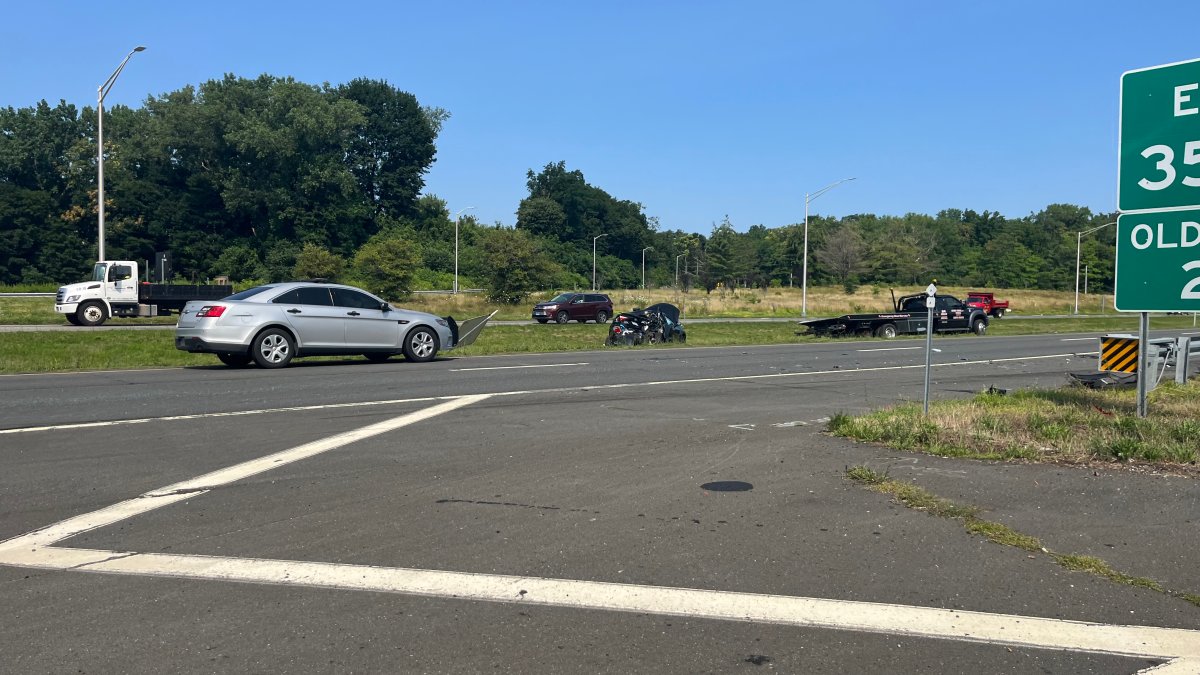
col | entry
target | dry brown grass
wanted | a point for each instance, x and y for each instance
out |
(773, 302)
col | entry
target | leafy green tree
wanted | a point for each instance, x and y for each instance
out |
(387, 264)
(280, 261)
(541, 216)
(240, 263)
(516, 265)
(316, 262)
(392, 147)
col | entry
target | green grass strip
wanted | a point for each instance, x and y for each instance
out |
(916, 497)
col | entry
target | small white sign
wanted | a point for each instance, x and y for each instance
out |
(931, 290)
(929, 302)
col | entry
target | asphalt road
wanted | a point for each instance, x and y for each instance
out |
(548, 512)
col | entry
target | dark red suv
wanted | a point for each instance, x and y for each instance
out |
(578, 306)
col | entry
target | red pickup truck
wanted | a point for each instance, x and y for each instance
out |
(988, 303)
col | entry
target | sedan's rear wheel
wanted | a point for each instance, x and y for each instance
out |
(602, 317)
(273, 348)
(421, 345)
(235, 360)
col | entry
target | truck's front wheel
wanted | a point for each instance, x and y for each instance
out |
(91, 314)
(886, 331)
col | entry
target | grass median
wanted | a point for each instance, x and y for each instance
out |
(1069, 425)
(92, 349)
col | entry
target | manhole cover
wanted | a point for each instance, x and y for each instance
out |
(727, 486)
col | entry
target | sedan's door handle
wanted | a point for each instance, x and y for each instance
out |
(351, 313)
(293, 311)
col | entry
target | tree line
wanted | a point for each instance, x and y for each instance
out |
(268, 179)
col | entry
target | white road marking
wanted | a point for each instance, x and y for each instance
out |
(926, 622)
(547, 365)
(1079, 339)
(553, 390)
(742, 427)
(35, 549)
(201, 484)
(888, 349)
(784, 425)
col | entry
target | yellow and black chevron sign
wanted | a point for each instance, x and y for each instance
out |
(1119, 354)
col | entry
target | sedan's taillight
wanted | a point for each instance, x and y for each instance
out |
(210, 311)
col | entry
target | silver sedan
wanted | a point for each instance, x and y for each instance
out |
(275, 323)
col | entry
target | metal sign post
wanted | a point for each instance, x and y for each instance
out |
(1143, 362)
(930, 301)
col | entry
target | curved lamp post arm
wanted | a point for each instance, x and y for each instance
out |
(101, 92)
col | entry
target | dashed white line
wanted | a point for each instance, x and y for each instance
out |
(526, 392)
(547, 365)
(1079, 339)
(888, 349)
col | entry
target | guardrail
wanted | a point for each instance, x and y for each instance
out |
(1178, 353)
(1182, 355)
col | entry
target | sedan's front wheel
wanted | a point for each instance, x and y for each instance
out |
(273, 348)
(421, 345)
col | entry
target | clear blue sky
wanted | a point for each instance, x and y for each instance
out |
(695, 109)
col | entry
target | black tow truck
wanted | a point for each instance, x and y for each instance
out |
(909, 316)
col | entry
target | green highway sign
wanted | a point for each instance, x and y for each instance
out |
(1158, 262)
(1159, 148)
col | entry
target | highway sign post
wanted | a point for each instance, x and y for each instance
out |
(1157, 266)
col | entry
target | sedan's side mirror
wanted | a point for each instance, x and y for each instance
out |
(383, 306)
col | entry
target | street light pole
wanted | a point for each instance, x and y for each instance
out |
(807, 199)
(1078, 246)
(456, 219)
(594, 258)
(101, 92)
(644, 266)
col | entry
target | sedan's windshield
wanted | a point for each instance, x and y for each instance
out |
(562, 297)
